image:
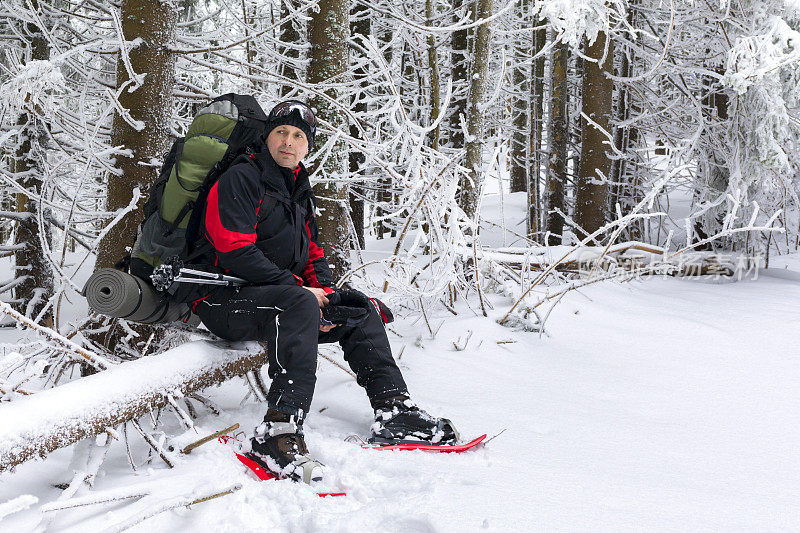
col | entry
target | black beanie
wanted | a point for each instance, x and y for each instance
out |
(292, 119)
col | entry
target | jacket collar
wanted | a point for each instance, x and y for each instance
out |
(302, 182)
(274, 175)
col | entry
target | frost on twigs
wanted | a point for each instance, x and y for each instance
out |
(35, 85)
(764, 70)
(575, 20)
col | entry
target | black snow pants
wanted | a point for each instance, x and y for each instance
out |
(287, 318)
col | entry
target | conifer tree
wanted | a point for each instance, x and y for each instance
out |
(145, 79)
(32, 270)
(328, 34)
(558, 134)
(595, 163)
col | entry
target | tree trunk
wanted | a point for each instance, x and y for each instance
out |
(469, 188)
(537, 129)
(33, 293)
(617, 171)
(625, 137)
(592, 182)
(291, 37)
(359, 25)
(459, 71)
(383, 192)
(714, 167)
(150, 103)
(558, 134)
(520, 106)
(54, 418)
(433, 67)
(328, 30)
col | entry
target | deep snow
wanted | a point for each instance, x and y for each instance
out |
(658, 404)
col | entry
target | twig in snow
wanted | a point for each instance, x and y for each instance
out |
(112, 495)
(490, 439)
(183, 418)
(459, 346)
(477, 275)
(425, 316)
(392, 330)
(447, 306)
(92, 457)
(171, 503)
(259, 393)
(96, 361)
(190, 408)
(260, 382)
(128, 446)
(336, 363)
(152, 443)
(188, 449)
(208, 404)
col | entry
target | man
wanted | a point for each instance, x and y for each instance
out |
(260, 220)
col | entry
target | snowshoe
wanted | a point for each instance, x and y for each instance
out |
(423, 447)
(279, 447)
(399, 421)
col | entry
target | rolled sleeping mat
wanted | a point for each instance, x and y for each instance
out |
(118, 294)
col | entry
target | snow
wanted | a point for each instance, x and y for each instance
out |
(572, 20)
(658, 404)
(61, 410)
(17, 504)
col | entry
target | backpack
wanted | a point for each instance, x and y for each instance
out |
(219, 134)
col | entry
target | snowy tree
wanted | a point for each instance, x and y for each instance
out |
(33, 275)
(595, 159)
(328, 33)
(145, 76)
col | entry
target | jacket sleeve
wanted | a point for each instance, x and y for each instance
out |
(231, 217)
(317, 272)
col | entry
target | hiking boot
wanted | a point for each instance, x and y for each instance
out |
(399, 421)
(278, 446)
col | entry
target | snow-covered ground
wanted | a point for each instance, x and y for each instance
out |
(662, 404)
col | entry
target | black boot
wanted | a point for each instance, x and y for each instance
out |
(398, 421)
(278, 446)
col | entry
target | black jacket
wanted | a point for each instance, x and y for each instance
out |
(260, 220)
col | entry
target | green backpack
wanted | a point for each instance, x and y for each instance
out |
(220, 133)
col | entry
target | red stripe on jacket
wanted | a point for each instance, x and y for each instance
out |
(224, 240)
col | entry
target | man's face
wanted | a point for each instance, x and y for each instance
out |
(287, 145)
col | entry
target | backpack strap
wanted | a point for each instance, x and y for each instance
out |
(195, 221)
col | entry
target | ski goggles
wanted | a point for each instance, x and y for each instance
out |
(284, 109)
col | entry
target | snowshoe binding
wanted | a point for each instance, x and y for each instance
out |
(278, 447)
(398, 420)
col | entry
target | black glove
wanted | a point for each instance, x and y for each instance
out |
(341, 315)
(383, 310)
(346, 308)
(350, 307)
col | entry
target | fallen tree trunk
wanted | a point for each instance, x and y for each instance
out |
(54, 418)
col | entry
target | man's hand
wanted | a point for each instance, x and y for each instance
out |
(322, 299)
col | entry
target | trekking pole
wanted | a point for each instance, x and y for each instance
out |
(188, 275)
(165, 276)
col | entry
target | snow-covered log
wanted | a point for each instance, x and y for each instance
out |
(38, 424)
